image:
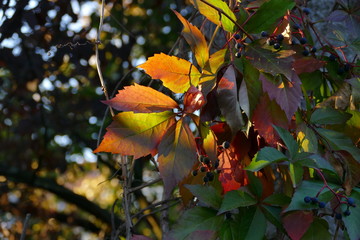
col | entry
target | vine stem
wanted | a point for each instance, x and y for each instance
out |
(97, 43)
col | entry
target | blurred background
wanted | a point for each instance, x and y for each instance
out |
(51, 111)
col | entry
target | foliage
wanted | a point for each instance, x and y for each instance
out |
(260, 134)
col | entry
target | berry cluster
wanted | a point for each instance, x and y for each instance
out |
(239, 46)
(350, 202)
(273, 40)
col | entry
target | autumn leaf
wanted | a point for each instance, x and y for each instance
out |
(287, 94)
(141, 99)
(193, 100)
(307, 65)
(206, 8)
(195, 39)
(211, 68)
(228, 100)
(177, 154)
(266, 114)
(136, 134)
(177, 74)
(297, 223)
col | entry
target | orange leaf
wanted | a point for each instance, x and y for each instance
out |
(193, 100)
(136, 134)
(177, 74)
(196, 40)
(141, 99)
(177, 155)
(216, 60)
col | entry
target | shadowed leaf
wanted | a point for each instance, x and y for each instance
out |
(297, 223)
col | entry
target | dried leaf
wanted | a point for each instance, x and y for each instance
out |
(193, 100)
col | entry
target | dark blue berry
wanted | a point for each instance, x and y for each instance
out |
(276, 45)
(238, 54)
(332, 57)
(347, 67)
(237, 36)
(305, 52)
(338, 216)
(307, 199)
(206, 160)
(264, 34)
(194, 173)
(216, 165)
(228, 215)
(347, 212)
(322, 204)
(351, 201)
(203, 169)
(313, 49)
(280, 37)
(238, 45)
(205, 179)
(226, 145)
(303, 40)
(306, 11)
(210, 176)
(296, 26)
(314, 200)
(270, 42)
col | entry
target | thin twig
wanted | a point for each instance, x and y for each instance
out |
(25, 226)
(126, 203)
(113, 232)
(97, 43)
(144, 185)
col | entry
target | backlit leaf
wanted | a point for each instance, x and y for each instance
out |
(209, 142)
(228, 100)
(196, 40)
(267, 114)
(177, 154)
(141, 99)
(286, 93)
(211, 68)
(307, 139)
(136, 134)
(177, 74)
(206, 8)
(267, 15)
(265, 157)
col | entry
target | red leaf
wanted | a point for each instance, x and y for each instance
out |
(141, 99)
(196, 40)
(228, 100)
(286, 93)
(232, 175)
(266, 114)
(136, 134)
(297, 223)
(177, 154)
(307, 65)
(177, 74)
(193, 100)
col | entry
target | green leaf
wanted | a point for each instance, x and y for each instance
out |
(329, 116)
(338, 141)
(252, 225)
(265, 157)
(197, 218)
(206, 194)
(277, 199)
(307, 139)
(252, 84)
(267, 15)
(255, 185)
(296, 172)
(314, 161)
(273, 214)
(352, 222)
(319, 229)
(310, 188)
(214, 11)
(229, 230)
(289, 141)
(234, 199)
(177, 154)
